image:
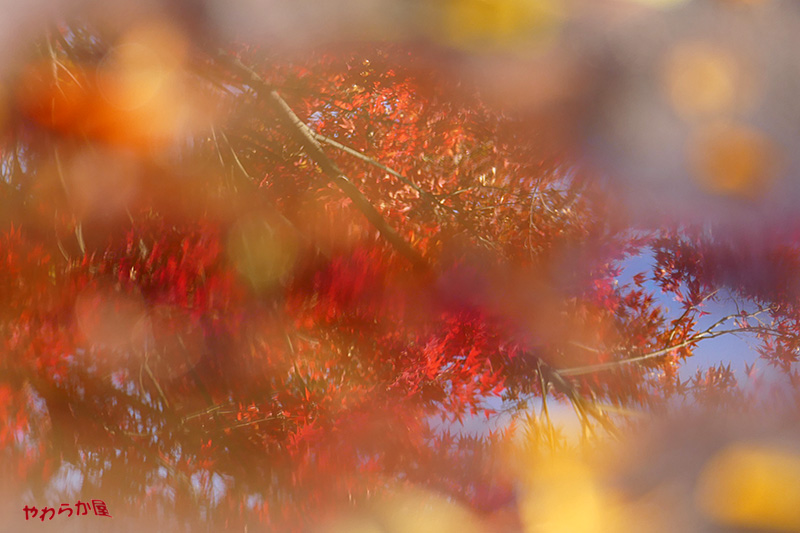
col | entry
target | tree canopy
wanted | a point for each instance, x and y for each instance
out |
(241, 285)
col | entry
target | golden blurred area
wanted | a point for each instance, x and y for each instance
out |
(752, 486)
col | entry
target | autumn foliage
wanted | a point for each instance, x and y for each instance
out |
(243, 287)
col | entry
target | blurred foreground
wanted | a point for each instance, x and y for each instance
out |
(259, 266)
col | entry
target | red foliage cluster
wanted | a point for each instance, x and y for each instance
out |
(236, 326)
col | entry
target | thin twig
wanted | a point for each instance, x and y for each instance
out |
(709, 333)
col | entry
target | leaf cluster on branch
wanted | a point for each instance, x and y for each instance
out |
(248, 285)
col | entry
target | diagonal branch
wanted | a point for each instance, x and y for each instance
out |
(709, 333)
(424, 194)
(363, 157)
(307, 139)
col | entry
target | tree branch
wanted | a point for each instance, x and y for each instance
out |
(709, 333)
(424, 194)
(307, 139)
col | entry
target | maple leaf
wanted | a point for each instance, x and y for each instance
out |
(267, 321)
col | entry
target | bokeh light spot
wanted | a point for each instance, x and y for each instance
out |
(425, 512)
(260, 254)
(141, 66)
(101, 182)
(109, 318)
(752, 486)
(703, 80)
(732, 160)
(480, 24)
